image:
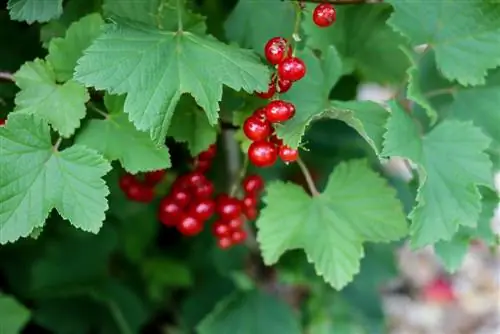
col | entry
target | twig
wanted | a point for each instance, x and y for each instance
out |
(58, 143)
(441, 91)
(241, 175)
(7, 76)
(307, 175)
(97, 110)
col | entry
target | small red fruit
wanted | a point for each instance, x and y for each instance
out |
(202, 166)
(202, 209)
(249, 201)
(276, 50)
(204, 190)
(2, 121)
(262, 153)
(324, 15)
(271, 90)
(140, 193)
(126, 181)
(181, 197)
(292, 69)
(220, 229)
(181, 183)
(189, 225)
(225, 242)
(439, 291)
(257, 128)
(288, 154)
(284, 85)
(169, 211)
(209, 153)
(260, 113)
(154, 177)
(228, 208)
(275, 140)
(279, 111)
(238, 236)
(235, 223)
(253, 184)
(250, 213)
(196, 179)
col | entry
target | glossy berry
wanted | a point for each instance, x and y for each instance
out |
(271, 90)
(238, 236)
(204, 190)
(181, 197)
(196, 179)
(189, 225)
(284, 85)
(288, 154)
(292, 69)
(221, 229)
(228, 208)
(324, 15)
(250, 213)
(2, 121)
(235, 223)
(276, 50)
(140, 193)
(279, 111)
(225, 242)
(252, 184)
(260, 113)
(202, 166)
(257, 128)
(202, 209)
(249, 201)
(169, 211)
(126, 181)
(275, 140)
(181, 183)
(208, 154)
(262, 153)
(154, 177)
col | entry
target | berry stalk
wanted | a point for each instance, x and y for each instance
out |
(307, 175)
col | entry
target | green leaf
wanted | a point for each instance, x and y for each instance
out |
(366, 44)
(452, 252)
(63, 106)
(249, 313)
(34, 10)
(117, 139)
(13, 315)
(35, 178)
(65, 51)
(465, 35)
(157, 65)
(356, 206)
(451, 163)
(310, 95)
(163, 272)
(190, 125)
(252, 23)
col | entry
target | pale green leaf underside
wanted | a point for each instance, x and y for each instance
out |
(65, 51)
(452, 252)
(156, 67)
(34, 10)
(13, 315)
(117, 139)
(356, 206)
(34, 179)
(465, 35)
(452, 163)
(63, 106)
(250, 313)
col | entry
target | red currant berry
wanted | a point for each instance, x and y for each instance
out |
(324, 15)
(260, 113)
(292, 69)
(204, 190)
(169, 211)
(250, 213)
(220, 229)
(209, 153)
(257, 128)
(252, 184)
(225, 242)
(271, 90)
(249, 202)
(275, 140)
(262, 153)
(276, 50)
(279, 111)
(202, 166)
(235, 223)
(126, 181)
(202, 209)
(154, 177)
(238, 236)
(228, 208)
(181, 197)
(288, 154)
(181, 183)
(284, 85)
(2, 121)
(189, 225)
(140, 193)
(196, 179)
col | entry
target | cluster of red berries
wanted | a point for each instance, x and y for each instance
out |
(141, 189)
(229, 228)
(324, 15)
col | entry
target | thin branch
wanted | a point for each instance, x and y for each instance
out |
(441, 91)
(7, 76)
(307, 175)
(340, 2)
(241, 175)
(97, 110)
(57, 144)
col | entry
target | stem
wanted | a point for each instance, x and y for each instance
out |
(241, 175)
(296, 29)
(441, 91)
(340, 2)
(57, 144)
(180, 26)
(310, 183)
(233, 160)
(97, 110)
(7, 76)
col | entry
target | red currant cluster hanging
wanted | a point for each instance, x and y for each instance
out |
(141, 190)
